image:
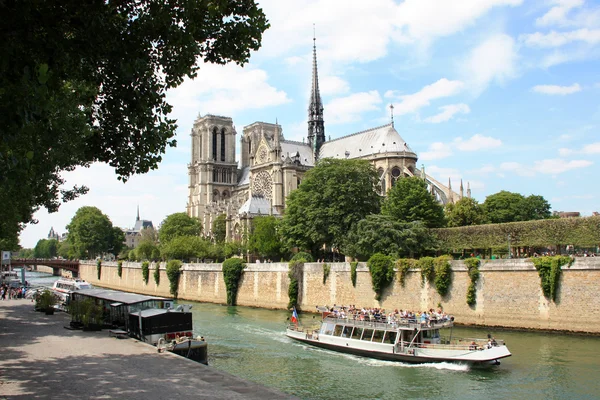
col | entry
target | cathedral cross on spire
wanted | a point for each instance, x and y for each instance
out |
(316, 126)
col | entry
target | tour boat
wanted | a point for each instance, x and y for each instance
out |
(68, 285)
(405, 340)
(169, 329)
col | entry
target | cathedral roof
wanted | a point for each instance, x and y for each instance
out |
(257, 205)
(245, 177)
(384, 139)
(290, 148)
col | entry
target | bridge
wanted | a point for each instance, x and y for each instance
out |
(55, 264)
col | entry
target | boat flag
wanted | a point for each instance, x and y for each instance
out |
(294, 316)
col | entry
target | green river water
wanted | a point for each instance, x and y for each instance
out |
(251, 343)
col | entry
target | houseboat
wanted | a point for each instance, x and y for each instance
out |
(405, 340)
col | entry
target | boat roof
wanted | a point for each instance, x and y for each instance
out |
(117, 296)
(150, 312)
(404, 324)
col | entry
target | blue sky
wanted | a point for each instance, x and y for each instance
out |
(503, 94)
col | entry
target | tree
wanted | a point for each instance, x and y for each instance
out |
(86, 82)
(409, 200)
(179, 224)
(503, 206)
(90, 232)
(264, 239)
(65, 250)
(116, 241)
(149, 233)
(46, 248)
(219, 228)
(185, 248)
(145, 249)
(535, 207)
(383, 234)
(332, 197)
(465, 212)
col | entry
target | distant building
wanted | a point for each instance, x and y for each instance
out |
(133, 236)
(566, 214)
(56, 236)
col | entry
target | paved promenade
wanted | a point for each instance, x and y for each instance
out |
(39, 359)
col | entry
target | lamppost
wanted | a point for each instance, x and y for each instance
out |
(509, 253)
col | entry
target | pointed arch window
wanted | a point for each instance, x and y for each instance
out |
(395, 175)
(215, 175)
(381, 180)
(223, 145)
(214, 143)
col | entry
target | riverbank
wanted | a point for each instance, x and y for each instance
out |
(41, 359)
(508, 292)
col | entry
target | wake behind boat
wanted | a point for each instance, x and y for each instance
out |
(404, 340)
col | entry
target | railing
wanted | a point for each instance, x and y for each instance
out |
(403, 323)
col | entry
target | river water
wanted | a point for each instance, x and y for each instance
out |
(250, 343)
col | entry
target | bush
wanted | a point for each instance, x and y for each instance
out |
(403, 265)
(157, 274)
(326, 271)
(473, 271)
(302, 256)
(99, 268)
(45, 300)
(145, 271)
(353, 266)
(425, 264)
(232, 272)
(120, 268)
(173, 273)
(549, 270)
(443, 274)
(295, 273)
(381, 268)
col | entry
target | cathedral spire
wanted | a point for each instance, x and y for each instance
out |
(316, 127)
(138, 213)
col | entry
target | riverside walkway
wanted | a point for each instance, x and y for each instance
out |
(39, 359)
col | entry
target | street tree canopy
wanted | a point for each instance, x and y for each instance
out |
(86, 81)
(332, 197)
(466, 211)
(91, 233)
(409, 200)
(178, 224)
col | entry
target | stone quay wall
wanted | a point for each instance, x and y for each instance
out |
(508, 291)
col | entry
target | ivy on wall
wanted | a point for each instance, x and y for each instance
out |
(381, 268)
(473, 270)
(353, 266)
(157, 274)
(425, 264)
(99, 268)
(583, 231)
(549, 269)
(232, 273)
(120, 268)
(403, 265)
(173, 274)
(443, 274)
(326, 271)
(145, 271)
(295, 273)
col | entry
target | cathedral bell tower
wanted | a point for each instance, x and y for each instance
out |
(316, 127)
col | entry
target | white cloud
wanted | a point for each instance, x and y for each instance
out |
(448, 112)
(558, 13)
(477, 142)
(563, 152)
(558, 165)
(436, 151)
(592, 148)
(492, 60)
(332, 85)
(413, 102)
(556, 89)
(557, 39)
(348, 109)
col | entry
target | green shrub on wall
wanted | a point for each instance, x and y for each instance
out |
(99, 268)
(549, 270)
(303, 256)
(403, 265)
(173, 273)
(353, 266)
(119, 268)
(443, 274)
(425, 264)
(295, 273)
(381, 268)
(326, 271)
(145, 271)
(157, 274)
(232, 272)
(473, 270)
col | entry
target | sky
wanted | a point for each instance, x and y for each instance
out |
(503, 94)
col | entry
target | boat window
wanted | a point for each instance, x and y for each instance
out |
(432, 334)
(378, 336)
(390, 337)
(327, 329)
(346, 332)
(367, 334)
(357, 333)
(338, 330)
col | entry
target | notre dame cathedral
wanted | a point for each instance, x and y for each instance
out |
(271, 167)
